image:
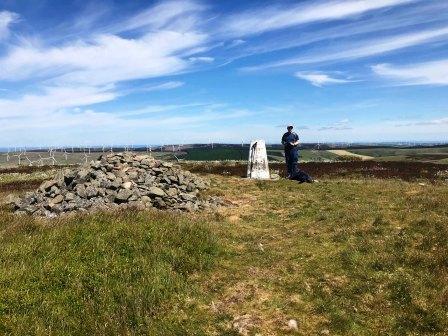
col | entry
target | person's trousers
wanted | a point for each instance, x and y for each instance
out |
(291, 157)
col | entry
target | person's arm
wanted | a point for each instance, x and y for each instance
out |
(284, 139)
(296, 141)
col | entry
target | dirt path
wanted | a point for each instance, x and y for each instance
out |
(343, 152)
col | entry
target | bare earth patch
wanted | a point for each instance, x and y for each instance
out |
(342, 152)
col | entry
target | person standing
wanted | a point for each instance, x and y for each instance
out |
(290, 141)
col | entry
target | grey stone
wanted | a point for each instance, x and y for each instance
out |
(147, 162)
(156, 192)
(11, 199)
(29, 209)
(110, 198)
(159, 203)
(69, 196)
(58, 199)
(54, 189)
(91, 192)
(200, 185)
(81, 191)
(123, 195)
(115, 184)
(133, 175)
(105, 184)
(82, 175)
(133, 198)
(95, 164)
(172, 192)
(45, 186)
(187, 197)
(157, 171)
(127, 185)
(149, 180)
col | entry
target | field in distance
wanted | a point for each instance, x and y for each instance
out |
(223, 152)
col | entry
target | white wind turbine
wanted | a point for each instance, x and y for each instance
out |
(65, 155)
(52, 158)
(86, 156)
(19, 156)
(7, 155)
(40, 161)
(31, 163)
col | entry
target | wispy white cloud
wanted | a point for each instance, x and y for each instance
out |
(364, 49)
(52, 99)
(160, 87)
(261, 20)
(422, 14)
(6, 19)
(341, 125)
(72, 126)
(320, 79)
(428, 73)
(204, 59)
(431, 122)
(106, 59)
(166, 15)
(235, 43)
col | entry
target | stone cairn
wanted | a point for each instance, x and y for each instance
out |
(118, 180)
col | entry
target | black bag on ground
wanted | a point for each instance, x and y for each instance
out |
(301, 176)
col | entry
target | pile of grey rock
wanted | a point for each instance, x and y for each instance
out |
(118, 180)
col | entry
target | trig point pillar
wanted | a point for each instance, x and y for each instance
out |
(257, 167)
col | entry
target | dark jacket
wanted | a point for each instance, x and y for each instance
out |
(287, 138)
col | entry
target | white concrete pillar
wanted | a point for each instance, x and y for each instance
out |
(257, 167)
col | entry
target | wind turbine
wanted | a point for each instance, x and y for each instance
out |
(7, 156)
(86, 156)
(65, 154)
(19, 156)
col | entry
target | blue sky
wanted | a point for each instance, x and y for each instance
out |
(146, 72)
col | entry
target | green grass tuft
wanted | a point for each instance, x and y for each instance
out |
(124, 273)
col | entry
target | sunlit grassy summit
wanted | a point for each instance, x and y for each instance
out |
(350, 255)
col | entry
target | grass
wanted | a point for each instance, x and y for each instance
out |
(305, 155)
(218, 153)
(102, 274)
(351, 256)
(359, 257)
(435, 154)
